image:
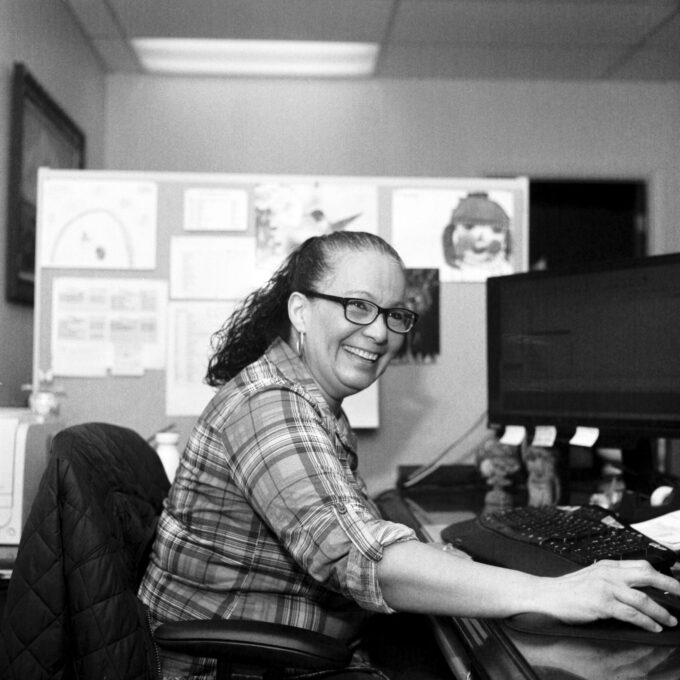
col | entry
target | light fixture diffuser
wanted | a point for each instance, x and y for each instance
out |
(280, 58)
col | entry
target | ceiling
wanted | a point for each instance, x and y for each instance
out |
(475, 39)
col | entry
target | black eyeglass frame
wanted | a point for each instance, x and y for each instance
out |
(345, 301)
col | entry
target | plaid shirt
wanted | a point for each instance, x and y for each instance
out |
(267, 518)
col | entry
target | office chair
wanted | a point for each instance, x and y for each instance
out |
(72, 609)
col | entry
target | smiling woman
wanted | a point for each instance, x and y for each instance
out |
(347, 351)
(268, 518)
(267, 491)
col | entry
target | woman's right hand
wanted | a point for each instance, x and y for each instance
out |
(609, 589)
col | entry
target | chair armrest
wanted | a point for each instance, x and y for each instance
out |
(254, 642)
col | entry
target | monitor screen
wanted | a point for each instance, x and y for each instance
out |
(593, 347)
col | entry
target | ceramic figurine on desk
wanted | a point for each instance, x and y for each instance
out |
(44, 400)
(498, 463)
(611, 488)
(543, 483)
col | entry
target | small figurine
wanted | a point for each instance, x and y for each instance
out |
(498, 463)
(611, 488)
(543, 484)
(44, 400)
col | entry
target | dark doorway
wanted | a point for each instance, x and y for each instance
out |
(575, 221)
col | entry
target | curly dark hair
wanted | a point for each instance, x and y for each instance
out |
(263, 314)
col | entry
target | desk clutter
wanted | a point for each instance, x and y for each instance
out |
(550, 532)
(528, 645)
(552, 541)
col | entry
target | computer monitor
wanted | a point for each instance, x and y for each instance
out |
(595, 346)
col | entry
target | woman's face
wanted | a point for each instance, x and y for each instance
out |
(343, 357)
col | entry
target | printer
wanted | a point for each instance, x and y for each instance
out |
(25, 440)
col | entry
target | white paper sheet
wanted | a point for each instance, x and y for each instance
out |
(362, 409)
(664, 529)
(102, 325)
(190, 329)
(544, 435)
(215, 209)
(513, 435)
(98, 224)
(213, 267)
(585, 436)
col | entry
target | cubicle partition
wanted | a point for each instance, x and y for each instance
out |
(136, 270)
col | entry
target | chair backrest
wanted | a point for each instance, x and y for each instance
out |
(72, 609)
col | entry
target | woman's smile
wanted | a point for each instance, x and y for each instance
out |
(361, 353)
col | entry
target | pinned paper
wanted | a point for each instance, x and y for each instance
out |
(89, 223)
(585, 436)
(514, 435)
(664, 529)
(213, 267)
(211, 209)
(544, 435)
(108, 324)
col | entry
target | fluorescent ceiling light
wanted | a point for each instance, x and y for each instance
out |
(256, 57)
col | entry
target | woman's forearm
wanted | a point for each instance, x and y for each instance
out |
(420, 577)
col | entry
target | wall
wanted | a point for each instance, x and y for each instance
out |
(422, 128)
(410, 128)
(427, 129)
(42, 35)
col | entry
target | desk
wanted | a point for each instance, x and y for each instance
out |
(486, 649)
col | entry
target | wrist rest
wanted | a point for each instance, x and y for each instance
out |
(607, 629)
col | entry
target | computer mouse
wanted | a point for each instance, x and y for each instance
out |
(669, 601)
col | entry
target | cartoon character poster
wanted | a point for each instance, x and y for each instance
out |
(469, 232)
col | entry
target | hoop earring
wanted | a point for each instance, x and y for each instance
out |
(300, 344)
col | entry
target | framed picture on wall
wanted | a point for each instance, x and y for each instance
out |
(41, 135)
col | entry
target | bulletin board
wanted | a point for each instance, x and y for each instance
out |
(136, 270)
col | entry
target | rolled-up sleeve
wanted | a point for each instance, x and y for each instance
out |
(295, 471)
(369, 537)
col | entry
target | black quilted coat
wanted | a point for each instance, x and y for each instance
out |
(72, 610)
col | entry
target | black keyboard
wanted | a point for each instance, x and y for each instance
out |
(551, 541)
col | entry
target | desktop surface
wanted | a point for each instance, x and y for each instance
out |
(525, 648)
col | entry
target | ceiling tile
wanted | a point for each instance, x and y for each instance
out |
(442, 61)
(347, 20)
(574, 39)
(668, 35)
(662, 65)
(526, 22)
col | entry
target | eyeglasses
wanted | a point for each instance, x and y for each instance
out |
(364, 313)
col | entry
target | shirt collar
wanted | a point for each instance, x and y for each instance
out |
(291, 366)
